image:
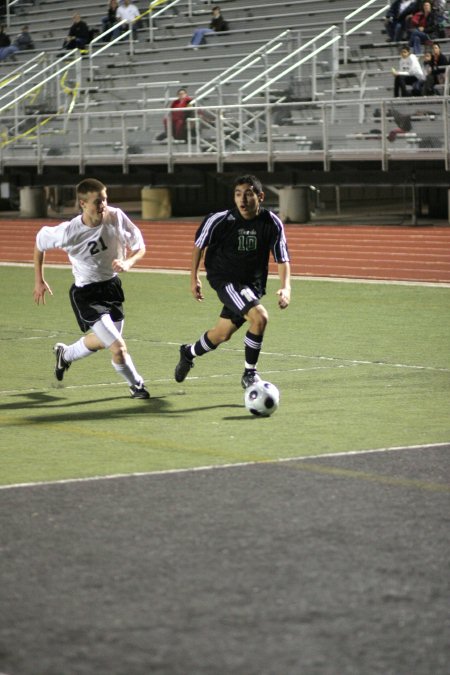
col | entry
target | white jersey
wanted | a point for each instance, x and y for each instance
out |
(411, 66)
(91, 250)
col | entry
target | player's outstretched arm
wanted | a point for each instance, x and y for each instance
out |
(41, 287)
(284, 293)
(196, 284)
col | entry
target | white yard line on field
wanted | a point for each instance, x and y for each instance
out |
(283, 460)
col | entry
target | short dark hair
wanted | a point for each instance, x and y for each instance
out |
(251, 180)
(89, 185)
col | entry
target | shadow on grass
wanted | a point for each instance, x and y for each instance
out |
(56, 408)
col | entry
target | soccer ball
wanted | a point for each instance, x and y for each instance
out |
(262, 398)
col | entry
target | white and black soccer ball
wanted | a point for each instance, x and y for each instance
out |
(262, 398)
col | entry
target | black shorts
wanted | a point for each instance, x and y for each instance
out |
(237, 300)
(90, 302)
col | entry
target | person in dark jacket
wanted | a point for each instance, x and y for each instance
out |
(78, 36)
(434, 65)
(398, 16)
(424, 28)
(24, 40)
(110, 19)
(6, 48)
(218, 25)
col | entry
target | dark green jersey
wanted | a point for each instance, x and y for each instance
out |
(238, 250)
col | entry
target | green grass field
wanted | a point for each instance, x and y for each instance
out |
(359, 366)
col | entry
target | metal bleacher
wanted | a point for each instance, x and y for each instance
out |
(301, 93)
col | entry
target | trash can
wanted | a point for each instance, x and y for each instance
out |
(33, 203)
(156, 203)
(294, 205)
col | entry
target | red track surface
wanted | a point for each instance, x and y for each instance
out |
(352, 251)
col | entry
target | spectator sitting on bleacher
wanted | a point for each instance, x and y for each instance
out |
(442, 16)
(110, 19)
(177, 119)
(24, 40)
(398, 16)
(131, 14)
(434, 64)
(409, 73)
(218, 25)
(78, 36)
(423, 27)
(6, 48)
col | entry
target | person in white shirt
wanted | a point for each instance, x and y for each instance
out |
(101, 242)
(131, 14)
(409, 73)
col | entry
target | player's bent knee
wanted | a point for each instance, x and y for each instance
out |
(118, 350)
(106, 331)
(258, 318)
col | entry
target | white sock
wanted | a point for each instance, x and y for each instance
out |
(77, 350)
(128, 371)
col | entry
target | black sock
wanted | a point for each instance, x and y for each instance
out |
(252, 344)
(202, 346)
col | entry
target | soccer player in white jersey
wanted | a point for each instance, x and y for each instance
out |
(101, 242)
(238, 243)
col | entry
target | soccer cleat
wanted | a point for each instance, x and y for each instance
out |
(61, 364)
(184, 365)
(249, 377)
(139, 392)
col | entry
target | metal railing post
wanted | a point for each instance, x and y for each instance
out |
(384, 155)
(81, 162)
(344, 40)
(446, 132)
(314, 75)
(325, 141)
(125, 164)
(241, 122)
(270, 158)
(220, 141)
(39, 162)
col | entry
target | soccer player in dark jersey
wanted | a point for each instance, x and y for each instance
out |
(237, 244)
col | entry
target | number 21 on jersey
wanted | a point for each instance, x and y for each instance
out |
(97, 246)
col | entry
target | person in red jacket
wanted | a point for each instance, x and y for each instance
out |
(178, 118)
(423, 28)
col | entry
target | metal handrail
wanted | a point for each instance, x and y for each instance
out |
(123, 35)
(173, 152)
(265, 75)
(22, 69)
(41, 81)
(303, 60)
(153, 15)
(99, 38)
(9, 4)
(358, 26)
(316, 50)
(239, 67)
